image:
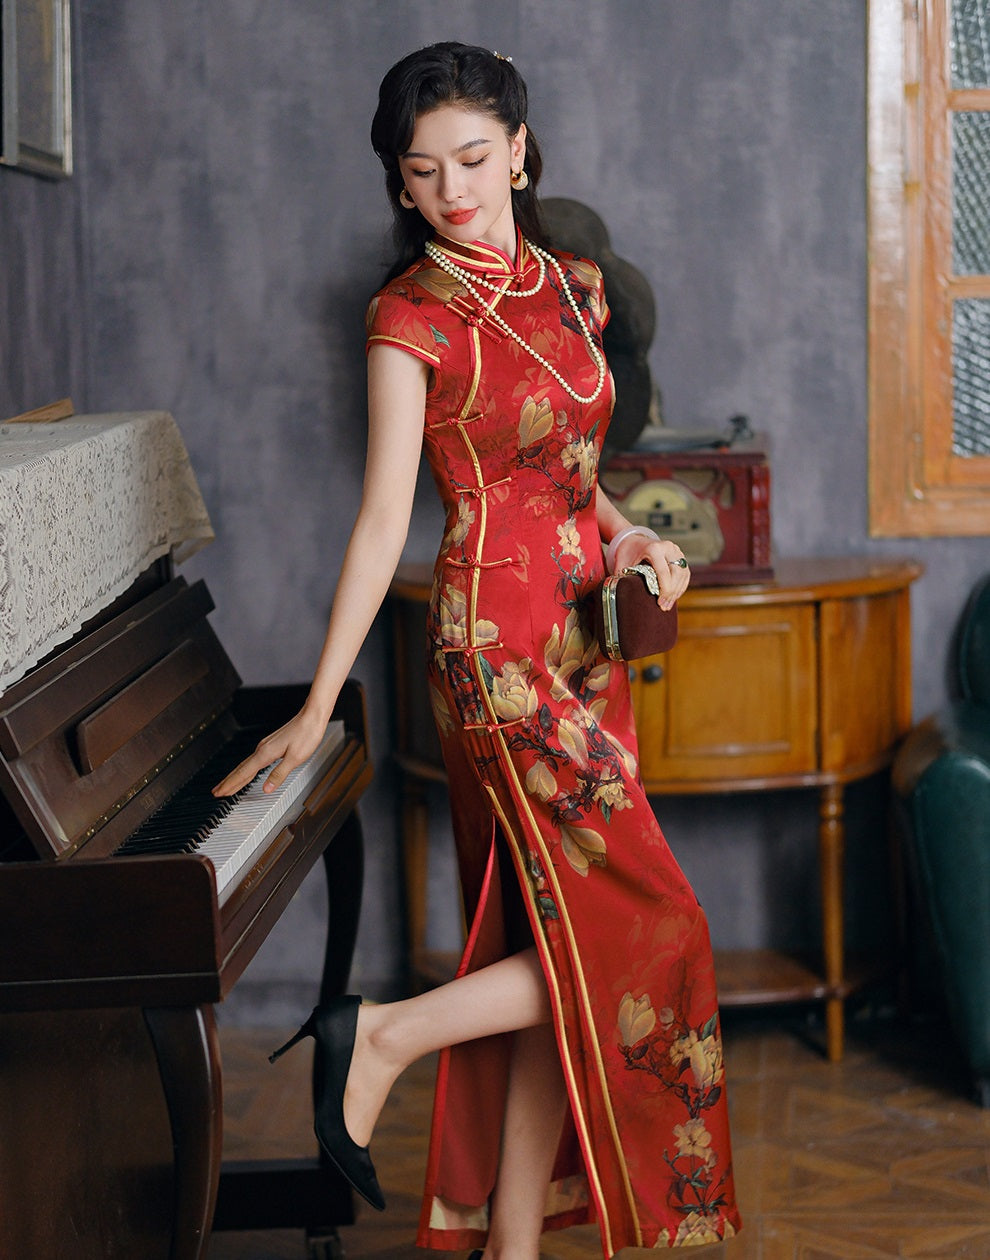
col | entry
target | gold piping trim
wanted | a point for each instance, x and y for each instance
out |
(381, 339)
(479, 479)
(579, 977)
(476, 377)
(485, 257)
(475, 563)
(548, 866)
(548, 970)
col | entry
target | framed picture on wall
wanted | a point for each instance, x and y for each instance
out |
(36, 86)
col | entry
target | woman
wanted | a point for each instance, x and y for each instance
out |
(581, 1073)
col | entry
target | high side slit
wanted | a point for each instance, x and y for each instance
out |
(537, 732)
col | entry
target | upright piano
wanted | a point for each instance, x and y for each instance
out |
(131, 900)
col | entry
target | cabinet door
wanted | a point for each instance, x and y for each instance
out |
(736, 699)
(865, 679)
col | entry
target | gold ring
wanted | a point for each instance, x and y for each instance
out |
(681, 563)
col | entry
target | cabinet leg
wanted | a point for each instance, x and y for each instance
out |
(831, 848)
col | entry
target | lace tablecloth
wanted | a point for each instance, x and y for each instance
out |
(85, 506)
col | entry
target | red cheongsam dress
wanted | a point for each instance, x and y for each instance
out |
(537, 733)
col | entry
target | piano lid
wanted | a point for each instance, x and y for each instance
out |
(96, 737)
(86, 505)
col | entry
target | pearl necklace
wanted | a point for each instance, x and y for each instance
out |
(445, 264)
(442, 260)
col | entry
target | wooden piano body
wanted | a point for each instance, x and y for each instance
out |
(110, 966)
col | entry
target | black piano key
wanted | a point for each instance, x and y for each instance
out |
(152, 847)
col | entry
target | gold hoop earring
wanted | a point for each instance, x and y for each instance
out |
(406, 201)
(519, 180)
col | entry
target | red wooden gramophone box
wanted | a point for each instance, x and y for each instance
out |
(713, 501)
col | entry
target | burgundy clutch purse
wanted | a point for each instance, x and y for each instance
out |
(629, 622)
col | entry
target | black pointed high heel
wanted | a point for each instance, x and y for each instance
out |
(334, 1026)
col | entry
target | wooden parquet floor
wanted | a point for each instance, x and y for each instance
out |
(881, 1155)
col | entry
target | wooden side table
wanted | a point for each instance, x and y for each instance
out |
(800, 681)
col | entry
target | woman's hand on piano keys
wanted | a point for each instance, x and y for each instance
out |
(289, 746)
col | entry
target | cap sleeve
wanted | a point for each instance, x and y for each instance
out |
(394, 320)
(588, 275)
(596, 295)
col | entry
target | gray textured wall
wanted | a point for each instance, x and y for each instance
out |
(214, 253)
(42, 328)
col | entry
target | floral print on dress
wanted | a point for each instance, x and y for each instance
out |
(687, 1062)
(537, 729)
(458, 532)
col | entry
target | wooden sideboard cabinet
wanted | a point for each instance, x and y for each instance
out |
(800, 681)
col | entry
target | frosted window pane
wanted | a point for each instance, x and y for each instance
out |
(971, 377)
(971, 194)
(969, 47)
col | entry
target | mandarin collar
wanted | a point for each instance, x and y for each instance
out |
(478, 256)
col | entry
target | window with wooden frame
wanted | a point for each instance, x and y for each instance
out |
(929, 266)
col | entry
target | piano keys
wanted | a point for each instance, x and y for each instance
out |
(127, 915)
(230, 831)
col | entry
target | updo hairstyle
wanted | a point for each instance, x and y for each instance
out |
(449, 74)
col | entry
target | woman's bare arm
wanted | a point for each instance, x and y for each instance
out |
(396, 408)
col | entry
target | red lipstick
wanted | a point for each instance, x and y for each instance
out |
(457, 217)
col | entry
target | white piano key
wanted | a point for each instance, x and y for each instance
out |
(257, 815)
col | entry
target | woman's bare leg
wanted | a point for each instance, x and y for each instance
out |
(510, 994)
(534, 1115)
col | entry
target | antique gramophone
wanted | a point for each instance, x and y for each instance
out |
(708, 489)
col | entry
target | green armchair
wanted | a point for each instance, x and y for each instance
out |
(941, 782)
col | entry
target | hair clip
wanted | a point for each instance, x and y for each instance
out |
(496, 53)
